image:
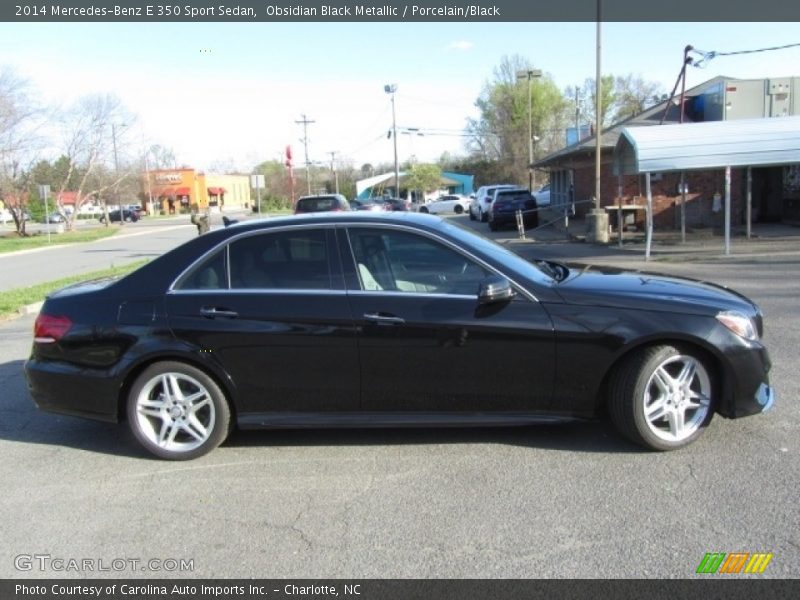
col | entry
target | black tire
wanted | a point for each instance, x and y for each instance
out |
(493, 225)
(652, 396)
(471, 216)
(484, 217)
(423, 209)
(458, 209)
(189, 420)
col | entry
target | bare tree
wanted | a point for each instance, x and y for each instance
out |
(19, 142)
(634, 95)
(92, 143)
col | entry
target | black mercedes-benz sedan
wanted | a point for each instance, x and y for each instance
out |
(390, 319)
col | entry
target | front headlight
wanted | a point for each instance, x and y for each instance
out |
(739, 324)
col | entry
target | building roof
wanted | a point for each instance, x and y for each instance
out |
(610, 135)
(713, 144)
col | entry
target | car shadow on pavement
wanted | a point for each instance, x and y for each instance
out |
(591, 436)
(21, 421)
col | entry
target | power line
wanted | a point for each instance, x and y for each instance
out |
(707, 56)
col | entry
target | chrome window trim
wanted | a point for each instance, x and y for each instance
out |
(229, 240)
(397, 294)
(260, 292)
(519, 288)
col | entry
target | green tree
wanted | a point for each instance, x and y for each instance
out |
(423, 178)
(500, 132)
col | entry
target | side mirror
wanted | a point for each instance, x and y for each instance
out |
(495, 289)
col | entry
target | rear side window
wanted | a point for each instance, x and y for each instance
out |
(210, 274)
(283, 260)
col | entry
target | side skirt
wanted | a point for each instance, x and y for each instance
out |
(300, 420)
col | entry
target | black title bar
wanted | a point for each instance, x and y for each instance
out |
(397, 11)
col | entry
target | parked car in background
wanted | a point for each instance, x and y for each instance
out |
(506, 203)
(250, 325)
(117, 215)
(451, 203)
(374, 204)
(479, 206)
(397, 204)
(321, 203)
(542, 196)
(53, 218)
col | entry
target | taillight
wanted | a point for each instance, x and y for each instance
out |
(49, 329)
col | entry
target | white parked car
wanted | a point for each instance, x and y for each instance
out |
(452, 203)
(479, 207)
(542, 196)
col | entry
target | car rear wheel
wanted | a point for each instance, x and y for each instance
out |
(483, 217)
(471, 215)
(423, 209)
(493, 225)
(458, 209)
(177, 412)
(662, 398)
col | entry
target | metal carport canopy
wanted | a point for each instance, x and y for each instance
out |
(708, 145)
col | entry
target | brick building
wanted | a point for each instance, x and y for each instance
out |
(775, 189)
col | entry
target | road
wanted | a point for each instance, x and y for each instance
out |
(136, 241)
(561, 501)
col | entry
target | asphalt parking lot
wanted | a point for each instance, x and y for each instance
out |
(560, 501)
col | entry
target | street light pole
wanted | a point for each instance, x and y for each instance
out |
(391, 88)
(529, 75)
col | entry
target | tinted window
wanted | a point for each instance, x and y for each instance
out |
(515, 195)
(210, 274)
(282, 260)
(319, 204)
(405, 262)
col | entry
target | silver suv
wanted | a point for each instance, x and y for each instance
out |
(479, 207)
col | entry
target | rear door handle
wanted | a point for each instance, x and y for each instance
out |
(213, 312)
(384, 319)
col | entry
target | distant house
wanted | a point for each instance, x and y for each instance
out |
(775, 188)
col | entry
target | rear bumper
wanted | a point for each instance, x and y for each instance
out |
(72, 390)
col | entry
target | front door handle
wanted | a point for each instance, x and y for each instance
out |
(213, 312)
(384, 319)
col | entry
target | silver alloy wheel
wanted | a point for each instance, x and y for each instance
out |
(175, 412)
(677, 398)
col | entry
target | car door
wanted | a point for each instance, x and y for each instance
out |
(424, 342)
(271, 309)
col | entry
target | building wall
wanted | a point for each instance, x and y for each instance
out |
(237, 190)
(176, 189)
(701, 209)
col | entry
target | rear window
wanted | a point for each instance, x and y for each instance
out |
(515, 195)
(320, 204)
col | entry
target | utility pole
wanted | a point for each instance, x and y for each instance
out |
(306, 123)
(391, 88)
(333, 168)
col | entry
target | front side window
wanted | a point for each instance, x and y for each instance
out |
(398, 261)
(296, 259)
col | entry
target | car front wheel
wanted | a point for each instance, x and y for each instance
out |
(177, 412)
(662, 398)
(423, 209)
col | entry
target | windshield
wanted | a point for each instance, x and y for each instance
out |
(539, 272)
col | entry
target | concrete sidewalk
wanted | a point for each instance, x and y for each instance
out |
(556, 242)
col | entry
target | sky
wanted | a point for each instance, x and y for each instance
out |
(230, 94)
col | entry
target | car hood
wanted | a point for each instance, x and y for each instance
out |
(600, 286)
